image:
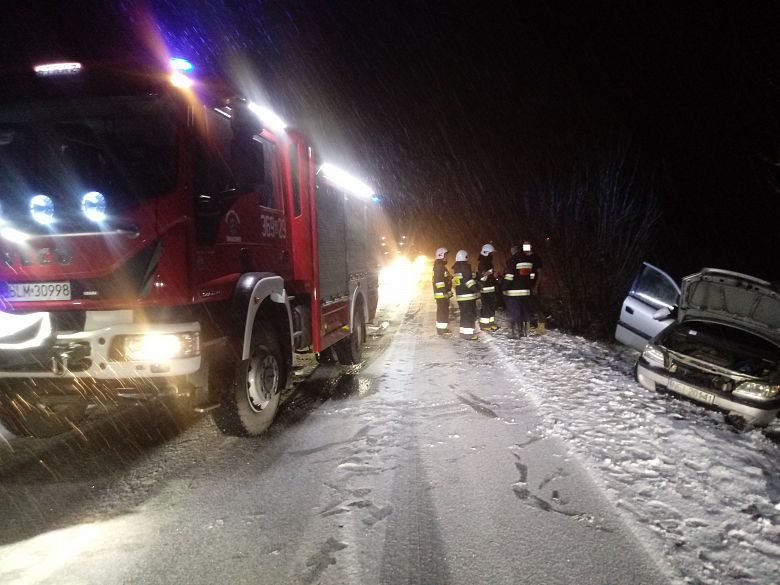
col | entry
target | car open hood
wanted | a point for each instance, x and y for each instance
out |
(730, 297)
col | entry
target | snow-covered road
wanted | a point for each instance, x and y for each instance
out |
(441, 461)
(701, 494)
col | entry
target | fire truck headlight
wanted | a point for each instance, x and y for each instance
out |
(42, 209)
(93, 205)
(156, 347)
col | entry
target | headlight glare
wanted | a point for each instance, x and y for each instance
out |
(653, 355)
(93, 205)
(157, 347)
(757, 390)
(42, 209)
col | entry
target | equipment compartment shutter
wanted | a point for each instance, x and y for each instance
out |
(331, 233)
(357, 237)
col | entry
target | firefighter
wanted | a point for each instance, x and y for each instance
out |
(518, 281)
(466, 293)
(534, 305)
(513, 292)
(442, 291)
(487, 283)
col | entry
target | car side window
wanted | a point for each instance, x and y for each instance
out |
(655, 288)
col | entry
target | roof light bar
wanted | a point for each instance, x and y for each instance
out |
(57, 68)
(346, 181)
(268, 117)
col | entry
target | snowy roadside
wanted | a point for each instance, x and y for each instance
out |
(696, 491)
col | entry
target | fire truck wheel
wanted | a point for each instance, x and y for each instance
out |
(250, 401)
(326, 356)
(25, 415)
(350, 349)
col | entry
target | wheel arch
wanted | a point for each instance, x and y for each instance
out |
(358, 299)
(263, 294)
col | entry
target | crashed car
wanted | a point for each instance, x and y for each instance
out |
(715, 339)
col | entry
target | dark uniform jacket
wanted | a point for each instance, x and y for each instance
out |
(466, 288)
(442, 280)
(486, 275)
(520, 274)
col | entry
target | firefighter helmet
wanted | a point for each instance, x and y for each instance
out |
(440, 253)
(462, 256)
(487, 250)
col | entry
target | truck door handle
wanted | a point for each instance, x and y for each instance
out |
(629, 310)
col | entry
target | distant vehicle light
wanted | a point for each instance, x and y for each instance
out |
(345, 180)
(57, 68)
(180, 80)
(180, 64)
(93, 204)
(268, 117)
(42, 209)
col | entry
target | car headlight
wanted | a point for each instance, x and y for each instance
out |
(757, 390)
(156, 347)
(653, 355)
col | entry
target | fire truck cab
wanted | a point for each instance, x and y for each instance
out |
(165, 239)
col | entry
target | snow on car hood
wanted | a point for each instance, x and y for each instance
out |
(734, 298)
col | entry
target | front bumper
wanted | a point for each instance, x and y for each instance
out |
(654, 378)
(87, 355)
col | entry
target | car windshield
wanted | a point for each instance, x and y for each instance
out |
(122, 147)
(724, 346)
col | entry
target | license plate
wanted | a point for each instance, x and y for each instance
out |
(37, 291)
(690, 391)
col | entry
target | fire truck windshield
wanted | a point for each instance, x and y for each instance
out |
(124, 148)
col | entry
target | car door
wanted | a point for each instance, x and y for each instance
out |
(652, 290)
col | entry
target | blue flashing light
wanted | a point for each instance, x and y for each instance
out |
(179, 64)
(93, 205)
(42, 209)
(376, 198)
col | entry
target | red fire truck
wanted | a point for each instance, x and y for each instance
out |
(165, 239)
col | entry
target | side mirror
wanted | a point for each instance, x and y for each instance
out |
(662, 314)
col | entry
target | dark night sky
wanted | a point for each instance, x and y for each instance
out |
(452, 109)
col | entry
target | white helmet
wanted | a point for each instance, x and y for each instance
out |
(487, 250)
(462, 256)
(440, 253)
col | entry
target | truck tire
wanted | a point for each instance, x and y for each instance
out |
(350, 349)
(325, 357)
(249, 401)
(25, 415)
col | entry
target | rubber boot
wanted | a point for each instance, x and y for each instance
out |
(526, 328)
(540, 328)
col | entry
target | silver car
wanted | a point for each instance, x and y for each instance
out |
(715, 339)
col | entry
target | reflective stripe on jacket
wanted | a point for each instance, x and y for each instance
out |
(487, 278)
(520, 274)
(442, 281)
(466, 288)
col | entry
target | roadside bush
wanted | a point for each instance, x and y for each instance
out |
(592, 220)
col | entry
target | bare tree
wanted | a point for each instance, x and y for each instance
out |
(595, 217)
